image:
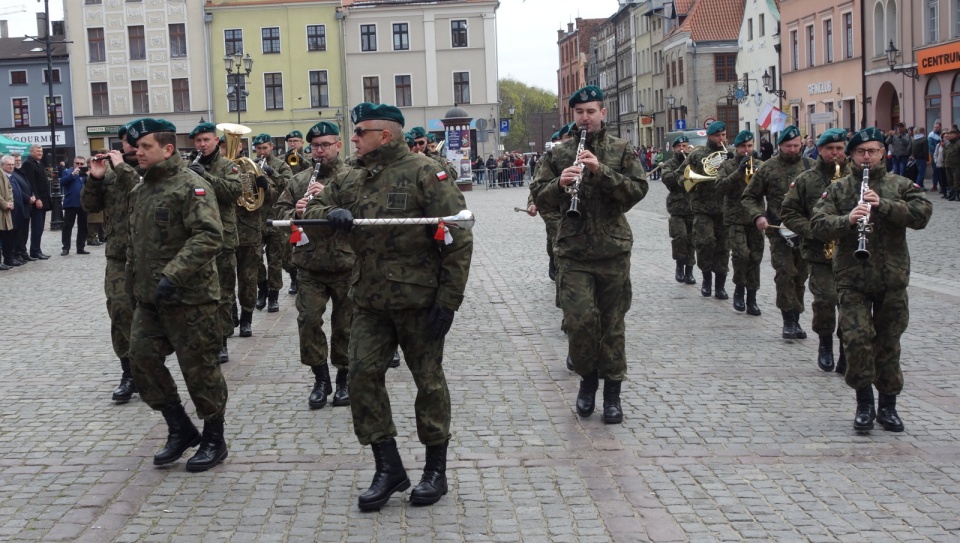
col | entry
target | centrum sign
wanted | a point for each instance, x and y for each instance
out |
(939, 59)
(43, 138)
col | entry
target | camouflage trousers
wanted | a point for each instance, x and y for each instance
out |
(595, 296)
(277, 250)
(193, 333)
(953, 176)
(789, 274)
(248, 266)
(314, 290)
(710, 241)
(871, 326)
(118, 306)
(746, 252)
(681, 239)
(374, 336)
(227, 271)
(552, 223)
(825, 298)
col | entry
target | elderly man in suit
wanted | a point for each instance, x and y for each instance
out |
(14, 248)
(34, 171)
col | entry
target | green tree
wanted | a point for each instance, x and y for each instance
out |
(535, 113)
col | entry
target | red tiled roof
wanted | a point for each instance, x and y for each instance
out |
(683, 6)
(712, 20)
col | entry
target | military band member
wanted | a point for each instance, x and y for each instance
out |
(432, 143)
(222, 175)
(422, 146)
(324, 265)
(275, 241)
(678, 207)
(593, 250)
(406, 289)
(873, 292)
(770, 183)
(951, 163)
(296, 157)
(796, 211)
(175, 234)
(746, 242)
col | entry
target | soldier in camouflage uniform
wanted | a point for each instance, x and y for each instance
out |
(221, 174)
(678, 207)
(746, 242)
(796, 211)
(295, 147)
(324, 265)
(110, 192)
(951, 163)
(275, 241)
(873, 292)
(175, 234)
(771, 182)
(709, 234)
(421, 146)
(593, 250)
(406, 287)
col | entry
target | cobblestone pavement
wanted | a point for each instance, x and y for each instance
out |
(730, 433)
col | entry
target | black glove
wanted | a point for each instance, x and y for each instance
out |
(440, 319)
(268, 170)
(341, 219)
(197, 169)
(165, 290)
(262, 182)
(743, 163)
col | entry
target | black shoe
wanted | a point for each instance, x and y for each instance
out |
(887, 413)
(433, 483)
(587, 396)
(390, 476)
(39, 256)
(127, 388)
(752, 308)
(261, 295)
(841, 361)
(679, 273)
(395, 361)
(688, 275)
(796, 322)
(27, 258)
(865, 412)
(181, 435)
(738, 293)
(293, 283)
(321, 387)
(94, 243)
(341, 396)
(570, 366)
(13, 262)
(82, 252)
(4, 267)
(246, 323)
(825, 353)
(223, 356)
(789, 327)
(272, 305)
(213, 447)
(64, 252)
(612, 413)
(552, 270)
(719, 292)
(705, 288)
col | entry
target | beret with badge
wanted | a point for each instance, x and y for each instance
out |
(262, 138)
(789, 133)
(832, 135)
(863, 136)
(366, 111)
(431, 138)
(716, 127)
(202, 128)
(323, 128)
(294, 134)
(745, 136)
(680, 139)
(141, 127)
(418, 132)
(122, 131)
(590, 93)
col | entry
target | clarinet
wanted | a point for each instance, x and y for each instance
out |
(573, 189)
(313, 179)
(197, 155)
(863, 223)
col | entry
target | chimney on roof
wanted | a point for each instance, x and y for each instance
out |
(569, 27)
(41, 26)
(3, 29)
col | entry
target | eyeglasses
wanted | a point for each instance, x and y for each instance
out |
(326, 146)
(867, 152)
(361, 131)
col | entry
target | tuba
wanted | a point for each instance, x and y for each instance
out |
(252, 196)
(711, 164)
(830, 248)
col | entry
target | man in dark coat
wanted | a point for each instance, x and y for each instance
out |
(36, 174)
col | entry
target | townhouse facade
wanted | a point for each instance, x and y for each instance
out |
(758, 61)
(575, 50)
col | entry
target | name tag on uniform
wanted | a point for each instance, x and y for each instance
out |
(397, 200)
(161, 214)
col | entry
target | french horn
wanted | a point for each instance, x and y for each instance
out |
(252, 196)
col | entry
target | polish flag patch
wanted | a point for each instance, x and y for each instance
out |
(200, 191)
(442, 176)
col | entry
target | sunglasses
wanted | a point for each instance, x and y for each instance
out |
(361, 131)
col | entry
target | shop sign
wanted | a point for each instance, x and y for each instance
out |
(821, 87)
(939, 59)
(108, 130)
(43, 138)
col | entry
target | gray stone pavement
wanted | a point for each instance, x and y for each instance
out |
(730, 433)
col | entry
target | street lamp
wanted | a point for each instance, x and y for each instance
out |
(682, 108)
(892, 53)
(239, 67)
(767, 81)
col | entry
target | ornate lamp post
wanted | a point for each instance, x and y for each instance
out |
(892, 54)
(767, 81)
(239, 67)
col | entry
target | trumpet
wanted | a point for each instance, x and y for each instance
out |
(293, 158)
(573, 189)
(830, 248)
(863, 223)
(748, 173)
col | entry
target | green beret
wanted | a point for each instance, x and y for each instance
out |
(418, 132)
(789, 133)
(572, 128)
(555, 136)
(223, 139)
(410, 139)
(203, 127)
(863, 136)
(294, 134)
(590, 93)
(122, 131)
(716, 127)
(563, 131)
(431, 138)
(744, 136)
(833, 135)
(141, 127)
(680, 139)
(262, 138)
(323, 128)
(376, 112)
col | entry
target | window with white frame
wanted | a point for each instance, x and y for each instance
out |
(401, 36)
(828, 41)
(233, 41)
(933, 21)
(461, 87)
(178, 40)
(141, 96)
(319, 89)
(458, 33)
(137, 41)
(56, 75)
(795, 51)
(100, 103)
(181, 94)
(371, 89)
(273, 90)
(21, 112)
(368, 37)
(404, 90)
(316, 38)
(848, 35)
(57, 109)
(761, 26)
(18, 77)
(811, 47)
(270, 38)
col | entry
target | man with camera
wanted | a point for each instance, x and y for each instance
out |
(71, 183)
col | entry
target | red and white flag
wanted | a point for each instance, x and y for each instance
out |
(765, 115)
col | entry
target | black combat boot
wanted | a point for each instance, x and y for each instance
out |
(612, 413)
(841, 361)
(261, 295)
(181, 435)
(679, 275)
(293, 282)
(127, 388)
(789, 327)
(213, 447)
(587, 396)
(552, 270)
(865, 411)
(246, 323)
(390, 476)
(395, 361)
(738, 293)
(707, 284)
(752, 308)
(342, 395)
(825, 353)
(433, 483)
(688, 275)
(570, 366)
(719, 292)
(272, 304)
(887, 413)
(321, 387)
(796, 322)
(223, 356)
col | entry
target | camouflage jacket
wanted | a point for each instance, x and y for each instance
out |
(704, 198)
(327, 250)
(602, 231)
(730, 183)
(678, 201)
(452, 170)
(902, 205)
(551, 214)
(771, 182)
(401, 266)
(305, 163)
(951, 155)
(250, 223)
(282, 174)
(221, 175)
(111, 194)
(805, 191)
(176, 233)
